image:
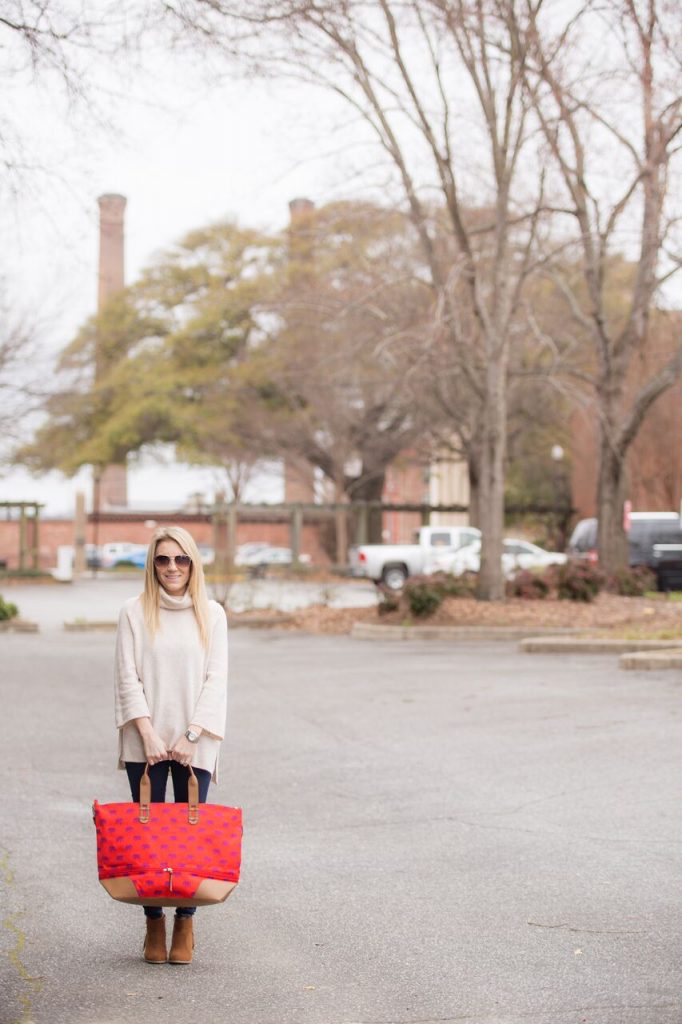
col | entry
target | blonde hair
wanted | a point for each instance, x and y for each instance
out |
(196, 587)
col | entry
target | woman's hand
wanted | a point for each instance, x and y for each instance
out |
(155, 749)
(182, 750)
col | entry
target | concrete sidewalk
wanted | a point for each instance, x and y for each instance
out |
(431, 834)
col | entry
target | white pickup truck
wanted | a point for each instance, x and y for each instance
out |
(391, 564)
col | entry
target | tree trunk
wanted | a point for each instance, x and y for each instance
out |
(371, 489)
(341, 522)
(491, 485)
(474, 472)
(611, 537)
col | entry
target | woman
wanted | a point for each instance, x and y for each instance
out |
(171, 696)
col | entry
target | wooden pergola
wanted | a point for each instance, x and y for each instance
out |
(29, 520)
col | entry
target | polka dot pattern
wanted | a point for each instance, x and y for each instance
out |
(167, 857)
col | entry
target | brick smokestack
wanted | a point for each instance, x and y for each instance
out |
(301, 234)
(300, 207)
(111, 488)
(111, 247)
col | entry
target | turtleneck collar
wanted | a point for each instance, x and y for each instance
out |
(172, 603)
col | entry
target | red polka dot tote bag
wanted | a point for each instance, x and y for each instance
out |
(168, 855)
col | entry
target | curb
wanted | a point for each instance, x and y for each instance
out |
(18, 626)
(102, 626)
(259, 621)
(371, 631)
(593, 645)
(652, 660)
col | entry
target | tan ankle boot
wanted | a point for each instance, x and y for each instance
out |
(154, 950)
(183, 941)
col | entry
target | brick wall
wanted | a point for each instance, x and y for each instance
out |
(56, 532)
(405, 481)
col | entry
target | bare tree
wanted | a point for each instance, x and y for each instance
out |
(610, 110)
(56, 50)
(25, 379)
(655, 468)
(53, 56)
(440, 87)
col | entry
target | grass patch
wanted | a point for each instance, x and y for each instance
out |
(670, 595)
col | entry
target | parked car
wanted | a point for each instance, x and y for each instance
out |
(517, 554)
(668, 566)
(258, 553)
(138, 558)
(274, 556)
(391, 564)
(646, 530)
(247, 554)
(116, 552)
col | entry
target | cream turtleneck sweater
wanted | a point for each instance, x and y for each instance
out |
(171, 678)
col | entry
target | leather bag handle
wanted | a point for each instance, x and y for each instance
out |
(192, 796)
(145, 795)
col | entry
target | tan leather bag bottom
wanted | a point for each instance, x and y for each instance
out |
(209, 891)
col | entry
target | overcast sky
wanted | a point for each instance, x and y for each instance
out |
(185, 153)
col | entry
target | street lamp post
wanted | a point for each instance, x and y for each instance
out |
(557, 453)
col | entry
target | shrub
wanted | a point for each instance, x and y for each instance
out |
(7, 610)
(576, 581)
(531, 586)
(633, 581)
(424, 596)
(456, 586)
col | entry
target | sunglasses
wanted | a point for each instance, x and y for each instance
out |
(181, 561)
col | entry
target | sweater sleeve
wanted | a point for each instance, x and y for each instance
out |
(210, 710)
(130, 701)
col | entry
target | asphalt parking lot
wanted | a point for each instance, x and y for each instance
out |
(433, 832)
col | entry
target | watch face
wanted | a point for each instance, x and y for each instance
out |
(192, 736)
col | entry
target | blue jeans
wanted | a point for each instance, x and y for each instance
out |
(158, 776)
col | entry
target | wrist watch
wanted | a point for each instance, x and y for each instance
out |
(193, 737)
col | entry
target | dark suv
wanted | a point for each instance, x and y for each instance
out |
(646, 530)
(668, 558)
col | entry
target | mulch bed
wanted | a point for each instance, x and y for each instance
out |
(608, 613)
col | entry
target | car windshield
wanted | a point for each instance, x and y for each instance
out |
(584, 536)
(517, 547)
